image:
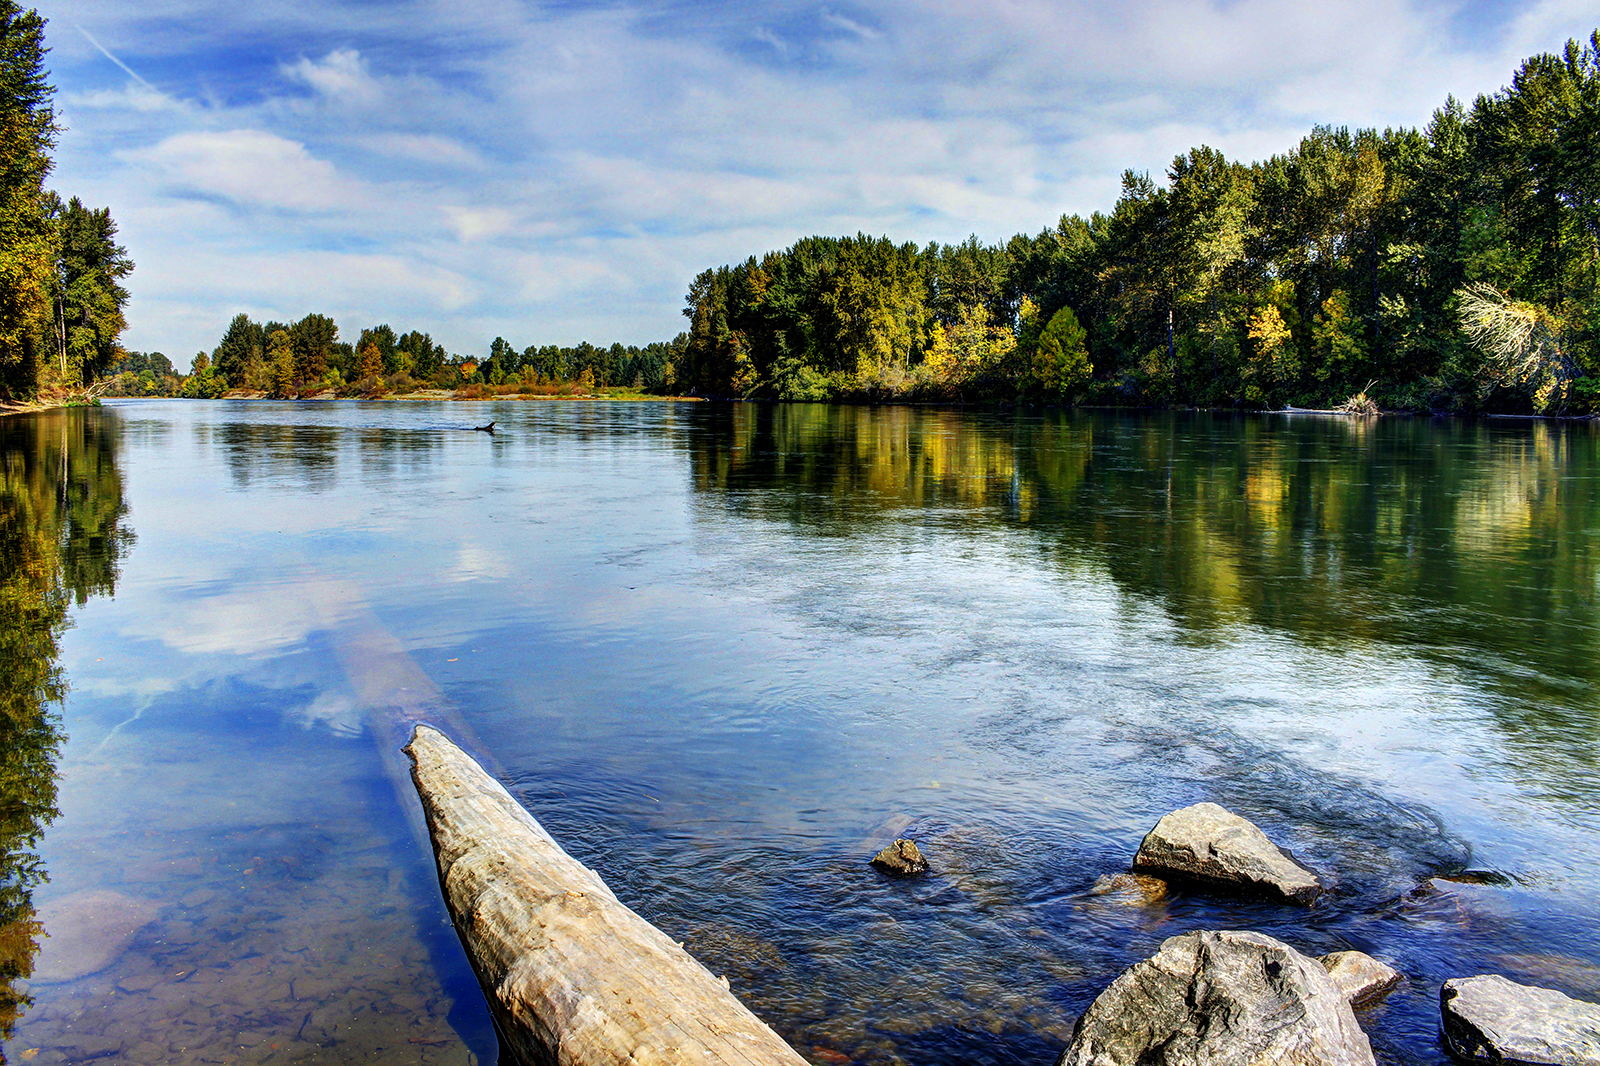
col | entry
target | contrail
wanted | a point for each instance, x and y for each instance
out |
(107, 53)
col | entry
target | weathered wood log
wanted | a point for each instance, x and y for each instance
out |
(573, 977)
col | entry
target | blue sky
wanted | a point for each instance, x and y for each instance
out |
(559, 172)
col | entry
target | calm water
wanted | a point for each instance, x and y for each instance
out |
(724, 653)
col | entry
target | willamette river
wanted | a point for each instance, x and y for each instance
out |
(725, 652)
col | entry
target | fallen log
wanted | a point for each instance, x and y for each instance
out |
(572, 976)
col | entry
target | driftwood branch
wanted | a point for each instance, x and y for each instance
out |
(573, 977)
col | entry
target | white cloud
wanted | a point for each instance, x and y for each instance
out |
(131, 97)
(338, 712)
(850, 25)
(252, 168)
(479, 223)
(341, 74)
(428, 148)
(252, 624)
(765, 36)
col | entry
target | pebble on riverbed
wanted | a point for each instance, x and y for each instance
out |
(1208, 844)
(1494, 1020)
(901, 859)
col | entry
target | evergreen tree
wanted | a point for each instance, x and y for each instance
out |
(280, 357)
(314, 337)
(27, 134)
(1061, 362)
(89, 295)
(240, 354)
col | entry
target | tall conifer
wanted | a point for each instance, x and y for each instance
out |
(27, 134)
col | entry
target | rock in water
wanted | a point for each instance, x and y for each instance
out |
(88, 931)
(1222, 999)
(1130, 889)
(1209, 844)
(1362, 978)
(1490, 1019)
(902, 859)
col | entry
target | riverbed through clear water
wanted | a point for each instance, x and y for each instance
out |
(726, 652)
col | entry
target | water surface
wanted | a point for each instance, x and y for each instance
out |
(724, 653)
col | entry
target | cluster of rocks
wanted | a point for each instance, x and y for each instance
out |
(1243, 997)
(1234, 998)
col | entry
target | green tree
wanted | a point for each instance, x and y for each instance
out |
(241, 352)
(314, 337)
(417, 354)
(388, 344)
(371, 362)
(280, 356)
(89, 296)
(1061, 361)
(203, 382)
(27, 134)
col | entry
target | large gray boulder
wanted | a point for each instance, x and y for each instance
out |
(1220, 999)
(1211, 845)
(1490, 1019)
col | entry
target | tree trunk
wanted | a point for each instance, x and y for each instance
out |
(573, 977)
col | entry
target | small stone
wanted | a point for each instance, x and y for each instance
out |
(1494, 1020)
(902, 859)
(1130, 890)
(1362, 978)
(1211, 845)
(1223, 999)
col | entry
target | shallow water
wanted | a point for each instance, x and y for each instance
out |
(724, 653)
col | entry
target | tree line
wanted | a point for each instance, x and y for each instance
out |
(304, 358)
(1451, 268)
(61, 269)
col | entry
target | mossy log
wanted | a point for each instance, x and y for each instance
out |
(573, 977)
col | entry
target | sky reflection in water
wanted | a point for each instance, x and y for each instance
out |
(723, 652)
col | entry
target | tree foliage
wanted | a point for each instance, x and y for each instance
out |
(61, 270)
(1357, 258)
(89, 296)
(27, 234)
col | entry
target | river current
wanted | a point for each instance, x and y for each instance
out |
(726, 652)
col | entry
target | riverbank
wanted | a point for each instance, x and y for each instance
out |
(7, 408)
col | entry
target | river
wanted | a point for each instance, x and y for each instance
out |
(724, 652)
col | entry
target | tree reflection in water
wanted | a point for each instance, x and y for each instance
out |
(1467, 544)
(62, 536)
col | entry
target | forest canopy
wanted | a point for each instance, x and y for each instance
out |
(1451, 268)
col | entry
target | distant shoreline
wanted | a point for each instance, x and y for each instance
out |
(436, 395)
